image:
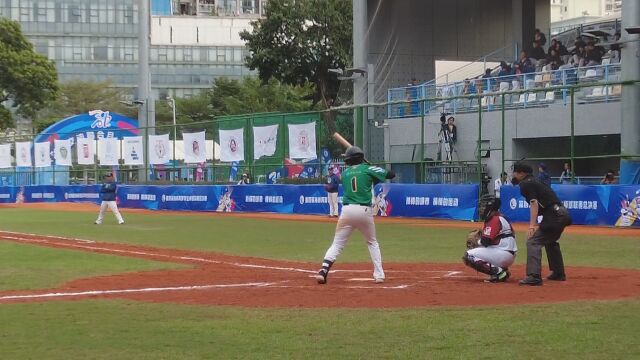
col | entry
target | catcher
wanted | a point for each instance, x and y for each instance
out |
(493, 249)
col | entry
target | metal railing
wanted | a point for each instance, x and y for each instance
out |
(445, 97)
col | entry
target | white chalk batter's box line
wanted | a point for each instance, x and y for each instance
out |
(63, 241)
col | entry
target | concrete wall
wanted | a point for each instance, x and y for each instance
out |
(532, 123)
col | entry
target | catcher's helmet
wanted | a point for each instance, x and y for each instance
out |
(353, 156)
(492, 204)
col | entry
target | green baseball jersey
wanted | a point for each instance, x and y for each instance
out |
(357, 182)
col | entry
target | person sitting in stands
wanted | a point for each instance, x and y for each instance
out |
(593, 55)
(537, 52)
(524, 66)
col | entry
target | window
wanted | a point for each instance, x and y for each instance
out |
(128, 15)
(24, 14)
(39, 14)
(101, 53)
(77, 53)
(162, 54)
(74, 14)
(187, 55)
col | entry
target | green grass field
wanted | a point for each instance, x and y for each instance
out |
(115, 329)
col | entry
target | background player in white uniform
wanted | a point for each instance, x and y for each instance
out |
(497, 249)
(357, 213)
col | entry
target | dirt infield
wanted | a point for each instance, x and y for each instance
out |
(88, 207)
(216, 279)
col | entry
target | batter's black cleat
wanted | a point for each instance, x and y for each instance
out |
(531, 281)
(557, 277)
(321, 277)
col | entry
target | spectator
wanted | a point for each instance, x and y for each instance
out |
(469, 87)
(452, 130)
(505, 70)
(554, 61)
(540, 37)
(502, 180)
(567, 175)
(244, 180)
(579, 43)
(524, 66)
(552, 46)
(543, 176)
(579, 58)
(593, 55)
(561, 49)
(486, 80)
(537, 52)
(609, 178)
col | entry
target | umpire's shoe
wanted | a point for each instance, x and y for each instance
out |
(531, 281)
(557, 276)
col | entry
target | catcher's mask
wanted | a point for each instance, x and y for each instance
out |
(353, 156)
(492, 204)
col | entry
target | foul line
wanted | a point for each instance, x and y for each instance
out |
(127, 291)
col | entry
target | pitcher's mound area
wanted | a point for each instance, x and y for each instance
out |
(218, 279)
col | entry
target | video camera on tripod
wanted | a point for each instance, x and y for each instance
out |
(447, 137)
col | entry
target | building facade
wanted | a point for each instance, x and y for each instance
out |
(193, 42)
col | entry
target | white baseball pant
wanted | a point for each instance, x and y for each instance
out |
(493, 255)
(333, 203)
(114, 209)
(360, 218)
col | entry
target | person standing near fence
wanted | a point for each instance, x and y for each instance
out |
(331, 186)
(108, 198)
(567, 175)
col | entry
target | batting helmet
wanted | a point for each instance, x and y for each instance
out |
(353, 156)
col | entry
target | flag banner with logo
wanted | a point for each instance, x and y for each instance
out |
(42, 154)
(159, 149)
(133, 150)
(86, 150)
(5, 156)
(108, 151)
(194, 147)
(232, 145)
(23, 154)
(302, 141)
(264, 140)
(62, 152)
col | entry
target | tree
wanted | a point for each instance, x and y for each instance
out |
(78, 97)
(233, 97)
(299, 41)
(28, 80)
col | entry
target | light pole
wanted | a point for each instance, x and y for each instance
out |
(172, 101)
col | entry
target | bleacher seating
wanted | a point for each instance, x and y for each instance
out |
(602, 74)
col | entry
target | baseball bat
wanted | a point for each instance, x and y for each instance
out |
(341, 140)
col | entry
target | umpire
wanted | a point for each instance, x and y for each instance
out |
(555, 217)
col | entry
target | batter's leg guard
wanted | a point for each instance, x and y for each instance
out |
(480, 265)
(321, 277)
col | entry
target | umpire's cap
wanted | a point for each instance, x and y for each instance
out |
(353, 152)
(522, 167)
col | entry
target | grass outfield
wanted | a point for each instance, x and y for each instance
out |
(114, 329)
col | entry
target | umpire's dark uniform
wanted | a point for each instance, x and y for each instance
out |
(555, 217)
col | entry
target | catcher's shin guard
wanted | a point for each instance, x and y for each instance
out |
(321, 277)
(480, 265)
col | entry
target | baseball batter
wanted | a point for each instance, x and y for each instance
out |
(497, 245)
(357, 213)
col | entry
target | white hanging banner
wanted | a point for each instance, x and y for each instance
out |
(62, 152)
(23, 154)
(108, 151)
(159, 149)
(86, 150)
(264, 140)
(302, 141)
(133, 150)
(42, 152)
(194, 147)
(232, 145)
(5, 156)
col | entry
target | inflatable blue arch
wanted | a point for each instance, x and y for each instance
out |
(94, 124)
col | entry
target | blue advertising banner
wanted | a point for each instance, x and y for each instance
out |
(588, 204)
(617, 205)
(458, 202)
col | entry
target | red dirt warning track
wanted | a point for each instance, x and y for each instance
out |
(216, 279)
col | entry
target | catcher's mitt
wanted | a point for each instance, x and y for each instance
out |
(473, 239)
